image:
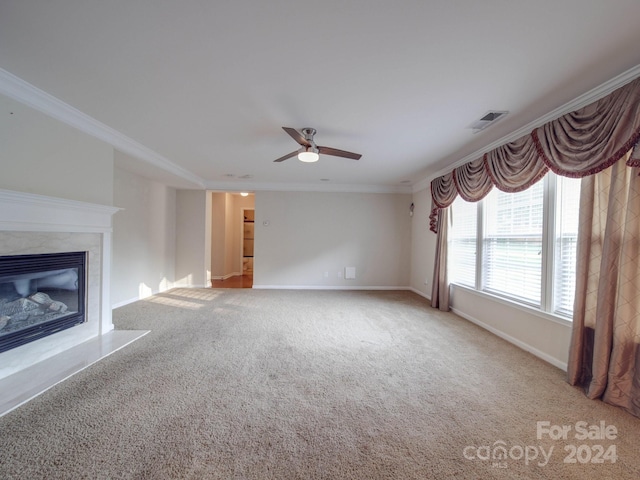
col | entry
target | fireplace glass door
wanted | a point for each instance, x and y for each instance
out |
(40, 295)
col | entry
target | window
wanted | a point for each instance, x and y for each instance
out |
(512, 244)
(566, 242)
(521, 246)
(462, 238)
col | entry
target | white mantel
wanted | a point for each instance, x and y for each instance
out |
(31, 223)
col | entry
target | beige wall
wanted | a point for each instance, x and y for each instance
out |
(536, 333)
(218, 234)
(423, 245)
(144, 237)
(193, 238)
(309, 233)
(44, 156)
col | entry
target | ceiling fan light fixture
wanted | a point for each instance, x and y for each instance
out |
(310, 152)
(308, 155)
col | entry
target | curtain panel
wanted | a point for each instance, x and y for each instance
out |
(580, 143)
(604, 356)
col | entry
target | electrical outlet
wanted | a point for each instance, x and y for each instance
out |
(326, 274)
(340, 274)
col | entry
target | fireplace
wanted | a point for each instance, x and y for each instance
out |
(40, 295)
(34, 228)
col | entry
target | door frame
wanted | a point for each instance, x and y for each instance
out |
(242, 213)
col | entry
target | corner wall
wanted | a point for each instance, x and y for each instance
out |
(193, 238)
(423, 245)
(144, 237)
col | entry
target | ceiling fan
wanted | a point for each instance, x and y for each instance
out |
(310, 152)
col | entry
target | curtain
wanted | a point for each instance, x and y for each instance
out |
(580, 143)
(440, 287)
(600, 144)
(604, 357)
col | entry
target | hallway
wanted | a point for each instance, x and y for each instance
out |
(238, 281)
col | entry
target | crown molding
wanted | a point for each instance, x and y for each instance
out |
(422, 184)
(577, 103)
(27, 94)
(305, 187)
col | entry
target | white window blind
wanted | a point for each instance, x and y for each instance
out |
(527, 247)
(512, 244)
(567, 206)
(462, 243)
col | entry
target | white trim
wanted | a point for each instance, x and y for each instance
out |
(30, 212)
(23, 386)
(304, 187)
(178, 285)
(577, 103)
(125, 302)
(25, 212)
(138, 298)
(326, 287)
(424, 184)
(29, 95)
(422, 294)
(106, 319)
(519, 343)
(520, 306)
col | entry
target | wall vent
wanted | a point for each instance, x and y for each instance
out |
(487, 119)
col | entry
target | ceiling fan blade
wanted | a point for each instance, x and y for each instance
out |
(297, 136)
(287, 156)
(339, 153)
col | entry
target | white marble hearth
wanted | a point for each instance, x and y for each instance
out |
(26, 384)
(33, 224)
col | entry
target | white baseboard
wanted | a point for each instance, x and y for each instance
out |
(124, 302)
(153, 292)
(418, 292)
(327, 287)
(280, 287)
(518, 343)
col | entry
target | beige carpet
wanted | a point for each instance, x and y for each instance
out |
(264, 384)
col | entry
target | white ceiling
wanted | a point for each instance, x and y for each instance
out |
(204, 87)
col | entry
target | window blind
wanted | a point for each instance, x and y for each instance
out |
(512, 244)
(566, 241)
(462, 243)
(512, 236)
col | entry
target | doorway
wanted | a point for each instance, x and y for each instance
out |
(232, 240)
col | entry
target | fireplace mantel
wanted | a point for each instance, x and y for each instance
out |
(29, 212)
(31, 223)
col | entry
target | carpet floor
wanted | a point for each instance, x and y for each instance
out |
(270, 384)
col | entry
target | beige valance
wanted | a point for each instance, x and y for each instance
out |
(580, 143)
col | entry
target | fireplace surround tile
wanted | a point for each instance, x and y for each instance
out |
(14, 243)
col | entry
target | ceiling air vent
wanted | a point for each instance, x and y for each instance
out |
(489, 118)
